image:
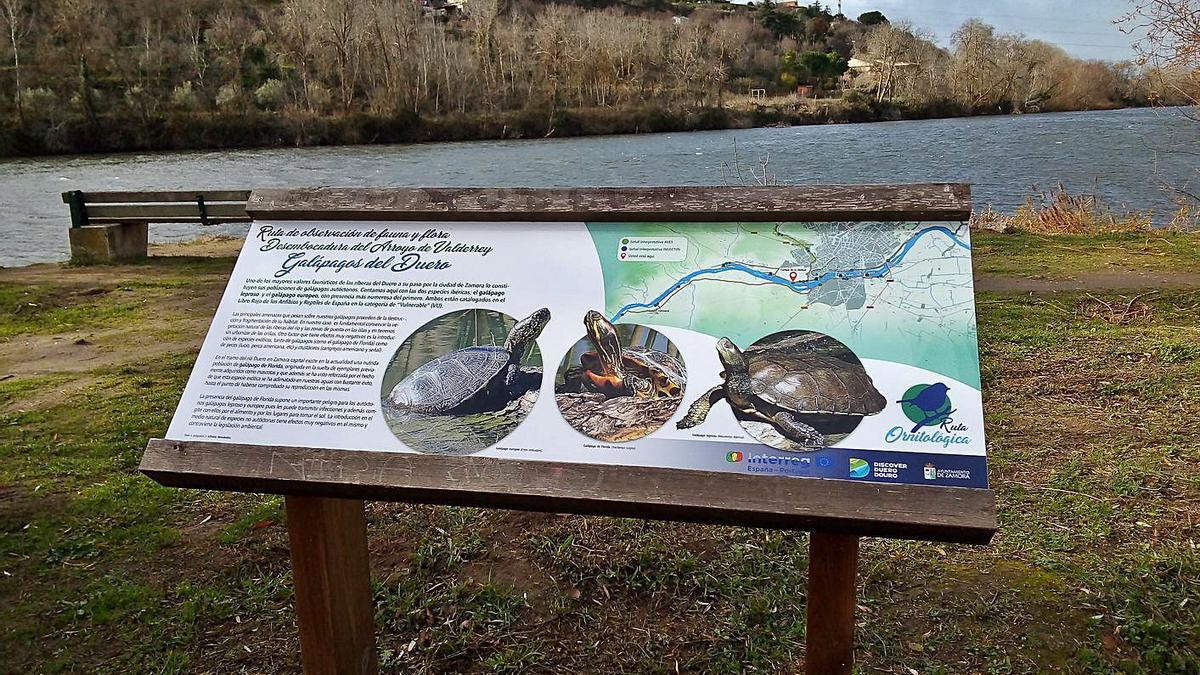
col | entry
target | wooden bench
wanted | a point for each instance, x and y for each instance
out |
(113, 226)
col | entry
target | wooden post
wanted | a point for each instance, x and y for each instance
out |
(832, 589)
(332, 575)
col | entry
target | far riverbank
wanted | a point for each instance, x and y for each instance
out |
(260, 129)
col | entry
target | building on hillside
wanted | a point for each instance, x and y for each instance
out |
(441, 9)
(858, 65)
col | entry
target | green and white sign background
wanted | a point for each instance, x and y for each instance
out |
(317, 311)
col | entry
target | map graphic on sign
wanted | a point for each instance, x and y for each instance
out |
(867, 282)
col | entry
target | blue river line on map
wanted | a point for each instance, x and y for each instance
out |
(798, 286)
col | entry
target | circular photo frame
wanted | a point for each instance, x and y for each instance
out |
(797, 391)
(464, 381)
(621, 382)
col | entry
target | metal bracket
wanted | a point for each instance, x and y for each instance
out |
(203, 210)
(75, 201)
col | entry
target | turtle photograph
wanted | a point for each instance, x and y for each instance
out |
(796, 391)
(464, 381)
(619, 382)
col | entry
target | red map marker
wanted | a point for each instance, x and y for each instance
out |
(792, 276)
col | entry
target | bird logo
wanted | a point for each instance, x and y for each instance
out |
(927, 405)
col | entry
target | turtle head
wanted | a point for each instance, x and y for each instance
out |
(603, 336)
(731, 357)
(527, 330)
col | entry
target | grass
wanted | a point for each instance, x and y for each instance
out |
(1025, 254)
(1092, 418)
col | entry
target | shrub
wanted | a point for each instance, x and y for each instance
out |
(1060, 212)
(185, 97)
(229, 96)
(270, 94)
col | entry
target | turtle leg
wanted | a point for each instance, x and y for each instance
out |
(700, 408)
(798, 431)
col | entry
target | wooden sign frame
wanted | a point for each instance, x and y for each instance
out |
(324, 487)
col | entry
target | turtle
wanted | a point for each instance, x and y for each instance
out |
(615, 371)
(781, 383)
(472, 378)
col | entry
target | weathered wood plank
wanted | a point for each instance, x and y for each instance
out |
(160, 211)
(832, 591)
(143, 196)
(184, 220)
(332, 575)
(866, 509)
(939, 201)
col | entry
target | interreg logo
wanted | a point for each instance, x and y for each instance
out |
(928, 407)
(859, 468)
(734, 456)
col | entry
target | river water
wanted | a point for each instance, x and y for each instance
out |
(1124, 155)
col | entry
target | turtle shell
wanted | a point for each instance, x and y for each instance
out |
(449, 380)
(813, 383)
(647, 361)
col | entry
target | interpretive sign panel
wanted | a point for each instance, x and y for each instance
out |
(797, 357)
(824, 349)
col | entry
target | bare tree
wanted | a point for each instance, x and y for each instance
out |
(1170, 40)
(1171, 44)
(18, 19)
(339, 31)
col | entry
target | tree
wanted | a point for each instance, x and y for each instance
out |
(82, 30)
(1170, 40)
(339, 31)
(18, 19)
(781, 24)
(1171, 44)
(891, 48)
(977, 76)
(812, 67)
(816, 29)
(824, 66)
(873, 18)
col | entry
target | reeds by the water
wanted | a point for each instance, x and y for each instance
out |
(1058, 211)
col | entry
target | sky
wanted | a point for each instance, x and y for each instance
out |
(1082, 27)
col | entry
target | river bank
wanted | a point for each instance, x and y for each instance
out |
(261, 129)
(1090, 357)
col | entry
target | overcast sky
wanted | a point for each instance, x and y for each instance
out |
(1082, 27)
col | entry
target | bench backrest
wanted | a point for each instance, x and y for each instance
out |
(204, 207)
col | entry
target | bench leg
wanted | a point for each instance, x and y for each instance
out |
(109, 243)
